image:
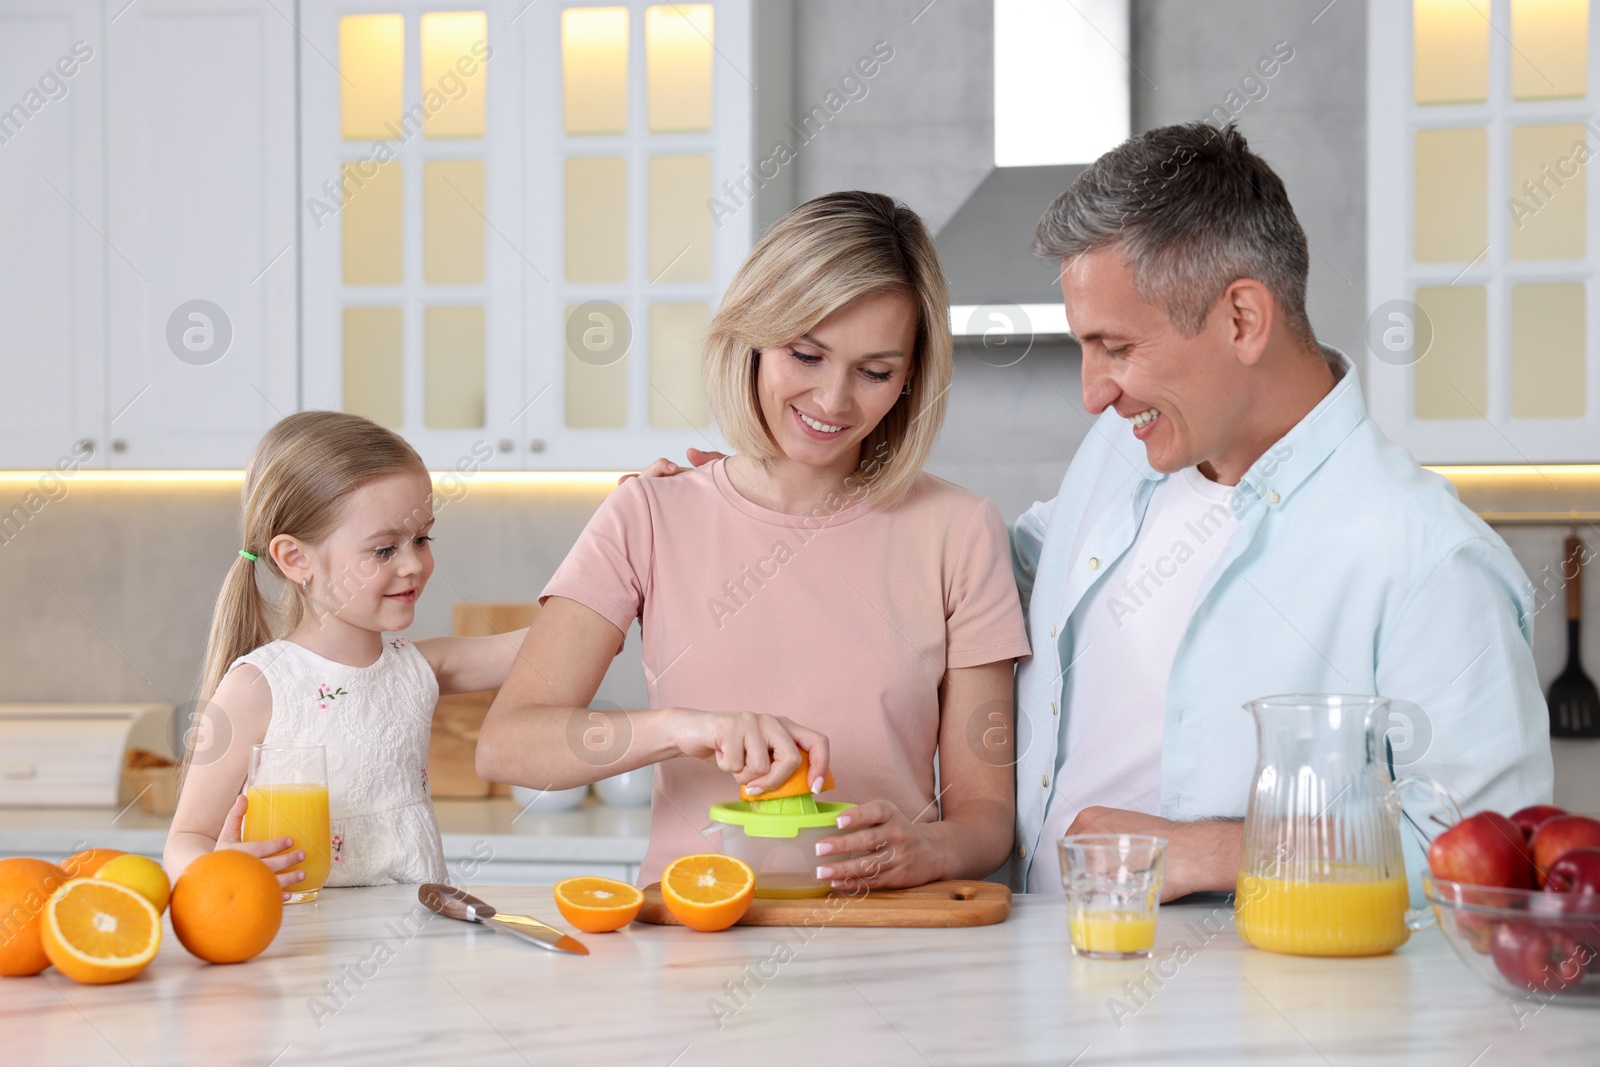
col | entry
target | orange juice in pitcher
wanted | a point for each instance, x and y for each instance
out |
(1321, 871)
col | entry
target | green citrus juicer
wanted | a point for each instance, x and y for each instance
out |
(778, 839)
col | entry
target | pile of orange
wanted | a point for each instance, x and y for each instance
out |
(97, 916)
(708, 892)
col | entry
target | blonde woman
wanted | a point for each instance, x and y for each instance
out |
(815, 591)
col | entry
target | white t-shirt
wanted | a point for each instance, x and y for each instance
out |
(1126, 634)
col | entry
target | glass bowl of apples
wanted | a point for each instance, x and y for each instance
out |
(1519, 900)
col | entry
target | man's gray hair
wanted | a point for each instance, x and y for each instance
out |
(1193, 210)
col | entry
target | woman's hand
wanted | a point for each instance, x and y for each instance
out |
(664, 467)
(893, 852)
(269, 852)
(760, 751)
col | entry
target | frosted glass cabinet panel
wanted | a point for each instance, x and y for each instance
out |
(594, 69)
(679, 44)
(1550, 205)
(1453, 377)
(372, 70)
(1451, 63)
(1452, 199)
(374, 348)
(1549, 49)
(454, 78)
(677, 392)
(1547, 349)
(680, 225)
(374, 223)
(453, 225)
(453, 354)
(596, 220)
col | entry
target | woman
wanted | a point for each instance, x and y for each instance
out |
(814, 586)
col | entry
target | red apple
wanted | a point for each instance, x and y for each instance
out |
(1555, 837)
(1577, 871)
(1528, 819)
(1483, 849)
(1534, 958)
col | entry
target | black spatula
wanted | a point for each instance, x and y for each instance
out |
(1574, 703)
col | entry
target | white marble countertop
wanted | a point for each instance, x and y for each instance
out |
(595, 832)
(433, 990)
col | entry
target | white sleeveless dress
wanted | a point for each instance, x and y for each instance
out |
(374, 722)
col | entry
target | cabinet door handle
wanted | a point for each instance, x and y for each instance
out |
(16, 772)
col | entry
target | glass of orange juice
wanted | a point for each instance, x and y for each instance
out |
(1113, 884)
(287, 794)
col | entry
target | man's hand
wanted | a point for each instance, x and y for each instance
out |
(665, 468)
(1201, 855)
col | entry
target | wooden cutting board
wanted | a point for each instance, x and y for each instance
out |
(934, 904)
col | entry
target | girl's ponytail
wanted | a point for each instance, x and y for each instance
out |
(239, 625)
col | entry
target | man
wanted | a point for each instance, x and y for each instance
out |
(1233, 527)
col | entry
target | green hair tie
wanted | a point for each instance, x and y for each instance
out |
(251, 556)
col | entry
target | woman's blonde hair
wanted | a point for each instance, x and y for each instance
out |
(813, 261)
(300, 476)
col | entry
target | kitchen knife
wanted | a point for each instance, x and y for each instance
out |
(455, 903)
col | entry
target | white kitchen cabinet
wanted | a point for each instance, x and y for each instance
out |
(515, 216)
(201, 193)
(1483, 238)
(53, 231)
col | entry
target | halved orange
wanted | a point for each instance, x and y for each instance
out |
(706, 891)
(99, 932)
(797, 783)
(598, 905)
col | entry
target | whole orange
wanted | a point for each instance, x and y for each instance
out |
(25, 889)
(87, 864)
(226, 907)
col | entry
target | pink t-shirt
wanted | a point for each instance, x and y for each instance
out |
(844, 620)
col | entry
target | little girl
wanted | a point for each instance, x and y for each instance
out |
(339, 508)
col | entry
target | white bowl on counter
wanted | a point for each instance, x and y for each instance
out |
(630, 789)
(546, 800)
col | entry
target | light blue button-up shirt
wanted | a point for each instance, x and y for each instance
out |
(1353, 570)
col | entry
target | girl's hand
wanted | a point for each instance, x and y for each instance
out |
(269, 852)
(664, 467)
(760, 751)
(894, 852)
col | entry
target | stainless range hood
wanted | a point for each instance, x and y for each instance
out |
(987, 250)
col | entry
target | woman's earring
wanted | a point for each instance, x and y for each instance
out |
(907, 390)
(305, 584)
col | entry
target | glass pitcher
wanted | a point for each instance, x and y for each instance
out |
(1321, 871)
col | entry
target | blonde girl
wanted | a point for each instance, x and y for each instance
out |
(337, 511)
